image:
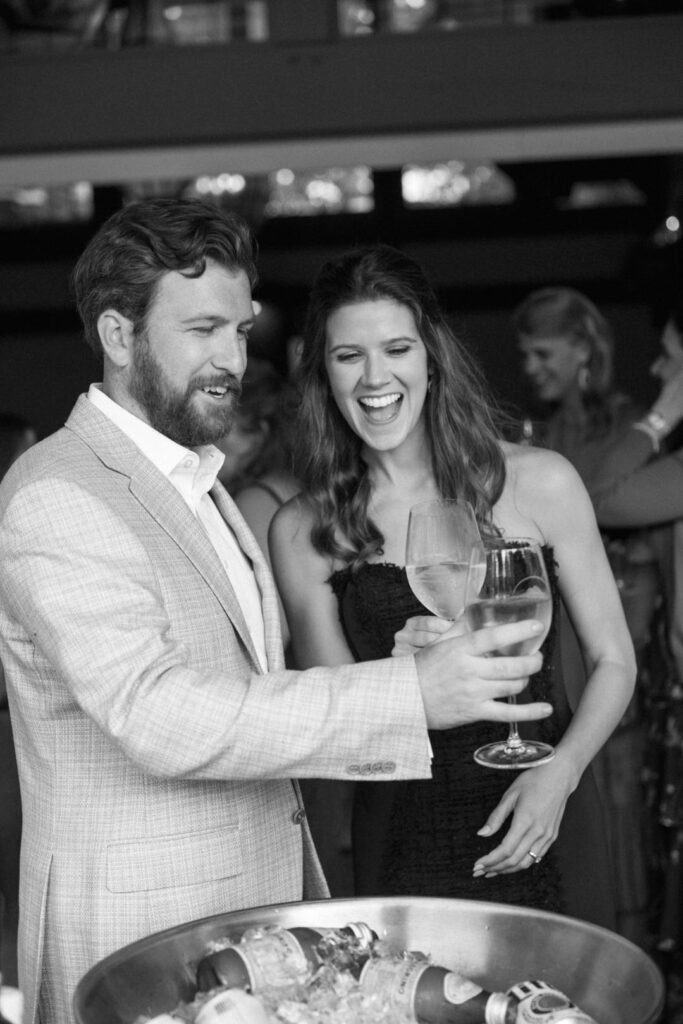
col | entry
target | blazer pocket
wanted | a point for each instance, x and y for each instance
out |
(139, 865)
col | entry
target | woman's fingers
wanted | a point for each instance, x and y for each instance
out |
(514, 854)
(420, 631)
(534, 803)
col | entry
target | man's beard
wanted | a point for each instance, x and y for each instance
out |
(174, 413)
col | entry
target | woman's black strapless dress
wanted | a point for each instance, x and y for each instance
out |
(419, 837)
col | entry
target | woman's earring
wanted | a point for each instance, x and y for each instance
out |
(429, 384)
(583, 378)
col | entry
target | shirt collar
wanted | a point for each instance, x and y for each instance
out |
(192, 470)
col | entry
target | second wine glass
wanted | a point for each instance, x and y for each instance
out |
(443, 542)
(515, 587)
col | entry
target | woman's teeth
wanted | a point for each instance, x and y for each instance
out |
(379, 401)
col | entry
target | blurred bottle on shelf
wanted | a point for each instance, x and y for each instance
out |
(196, 22)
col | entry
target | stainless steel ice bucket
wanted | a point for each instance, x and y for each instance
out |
(494, 944)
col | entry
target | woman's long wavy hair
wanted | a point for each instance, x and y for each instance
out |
(461, 416)
(566, 313)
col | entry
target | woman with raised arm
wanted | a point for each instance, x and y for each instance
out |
(567, 347)
(640, 483)
(394, 412)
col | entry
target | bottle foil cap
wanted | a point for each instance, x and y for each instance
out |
(362, 931)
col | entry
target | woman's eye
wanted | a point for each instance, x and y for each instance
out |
(347, 357)
(398, 350)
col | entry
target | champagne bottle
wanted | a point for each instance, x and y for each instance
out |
(279, 957)
(539, 1001)
(435, 995)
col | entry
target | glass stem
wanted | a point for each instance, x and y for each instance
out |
(514, 740)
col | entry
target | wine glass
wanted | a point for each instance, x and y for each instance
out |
(443, 545)
(515, 587)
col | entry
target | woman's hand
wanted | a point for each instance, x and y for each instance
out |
(668, 367)
(536, 800)
(423, 630)
(669, 404)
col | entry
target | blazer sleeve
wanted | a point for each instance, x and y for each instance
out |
(632, 490)
(89, 626)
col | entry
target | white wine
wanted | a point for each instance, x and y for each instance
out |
(498, 611)
(440, 587)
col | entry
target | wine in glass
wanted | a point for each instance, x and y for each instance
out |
(443, 545)
(515, 587)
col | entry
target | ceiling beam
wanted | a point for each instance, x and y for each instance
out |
(585, 87)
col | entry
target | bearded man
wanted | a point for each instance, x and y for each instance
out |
(157, 731)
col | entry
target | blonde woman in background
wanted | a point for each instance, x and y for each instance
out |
(567, 349)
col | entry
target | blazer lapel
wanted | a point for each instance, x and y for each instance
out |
(264, 578)
(159, 498)
(162, 501)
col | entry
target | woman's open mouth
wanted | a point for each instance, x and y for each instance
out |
(381, 408)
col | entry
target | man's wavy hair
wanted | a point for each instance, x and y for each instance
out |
(461, 417)
(124, 261)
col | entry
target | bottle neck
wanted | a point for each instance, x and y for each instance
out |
(361, 931)
(501, 1008)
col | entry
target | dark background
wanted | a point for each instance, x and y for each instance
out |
(525, 89)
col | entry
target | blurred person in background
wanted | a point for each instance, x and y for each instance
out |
(16, 436)
(258, 450)
(567, 349)
(640, 484)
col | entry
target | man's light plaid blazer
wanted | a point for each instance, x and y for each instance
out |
(155, 757)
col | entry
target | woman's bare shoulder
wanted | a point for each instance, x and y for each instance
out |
(539, 468)
(543, 488)
(293, 521)
(298, 565)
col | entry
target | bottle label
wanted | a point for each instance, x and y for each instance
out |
(397, 982)
(394, 980)
(458, 990)
(274, 959)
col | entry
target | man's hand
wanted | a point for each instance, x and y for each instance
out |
(461, 682)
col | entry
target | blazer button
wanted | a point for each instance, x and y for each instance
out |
(299, 816)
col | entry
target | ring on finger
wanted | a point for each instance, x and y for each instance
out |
(534, 856)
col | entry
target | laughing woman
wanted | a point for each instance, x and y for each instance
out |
(394, 412)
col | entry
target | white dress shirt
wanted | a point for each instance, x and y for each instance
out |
(193, 474)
